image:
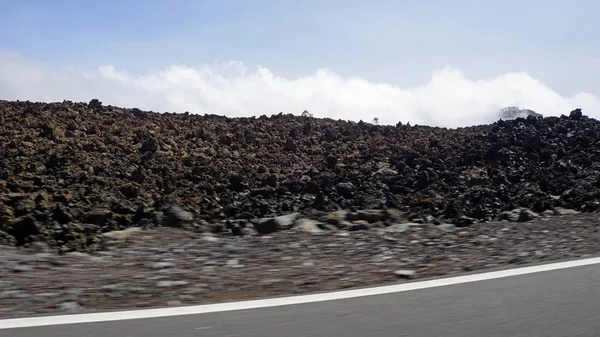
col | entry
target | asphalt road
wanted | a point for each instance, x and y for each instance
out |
(555, 303)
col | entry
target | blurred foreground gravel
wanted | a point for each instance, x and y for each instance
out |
(171, 267)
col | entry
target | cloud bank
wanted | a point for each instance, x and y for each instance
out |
(232, 89)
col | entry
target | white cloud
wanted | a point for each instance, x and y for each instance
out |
(232, 89)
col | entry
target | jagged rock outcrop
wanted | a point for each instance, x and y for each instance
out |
(513, 112)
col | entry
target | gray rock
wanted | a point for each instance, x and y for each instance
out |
(24, 227)
(397, 228)
(406, 274)
(576, 114)
(269, 282)
(265, 226)
(21, 268)
(170, 284)
(170, 271)
(39, 247)
(95, 104)
(98, 216)
(527, 215)
(346, 189)
(309, 226)
(70, 306)
(429, 219)
(337, 217)
(111, 286)
(564, 211)
(343, 224)
(78, 254)
(175, 216)
(114, 294)
(328, 227)
(248, 231)
(464, 221)
(233, 262)
(518, 215)
(385, 171)
(359, 225)
(75, 292)
(286, 221)
(210, 238)
(271, 225)
(290, 145)
(511, 216)
(395, 214)
(512, 112)
(173, 303)
(122, 234)
(370, 215)
(162, 265)
(446, 227)
(548, 213)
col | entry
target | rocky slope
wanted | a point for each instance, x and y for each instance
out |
(72, 171)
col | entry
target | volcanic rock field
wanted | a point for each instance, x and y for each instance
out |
(104, 207)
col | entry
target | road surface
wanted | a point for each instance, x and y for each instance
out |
(554, 303)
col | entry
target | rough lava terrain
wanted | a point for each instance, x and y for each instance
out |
(104, 207)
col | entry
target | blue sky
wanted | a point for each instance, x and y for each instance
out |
(401, 43)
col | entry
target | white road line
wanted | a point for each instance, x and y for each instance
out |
(274, 302)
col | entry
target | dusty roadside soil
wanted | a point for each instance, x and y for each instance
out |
(171, 267)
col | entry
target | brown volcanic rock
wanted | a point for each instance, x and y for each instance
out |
(71, 171)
